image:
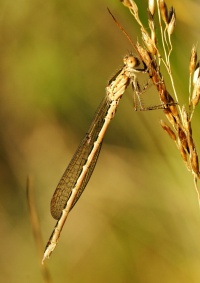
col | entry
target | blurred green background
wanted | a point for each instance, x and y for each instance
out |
(138, 220)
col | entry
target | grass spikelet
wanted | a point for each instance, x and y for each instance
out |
(180, 119)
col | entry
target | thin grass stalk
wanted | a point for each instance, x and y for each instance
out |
(149, 52)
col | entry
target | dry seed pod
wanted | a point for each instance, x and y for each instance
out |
(170, 117)
(196, 74)
(170, 14)
(152, 27)
(168, 130)
(126, 3)
(168, 99)
(164, 96)
(152, 6)
(131, 5)
(186, 121)
(148, 42)
(174, 110)
(193, 60)
(164, 11)
(171, 21)
(194, 161)
(195, 99)
(191, 143)
(182, 152)
(153, 37)
(150, 20)
(146, 58)
(183, 138)
(196, 93)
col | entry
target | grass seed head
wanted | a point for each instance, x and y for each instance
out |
(196, 93)
(127, 3)
(131, 5)
(163, 11)
(145, 56)
(168, 130)
(196, 74)
(194, 161)
(186, 121)
(182, 152)
(149, 42)
(191, 143)
(171, 21)
(193, 60)
(151, 5)
(152, 27)
(183, 138)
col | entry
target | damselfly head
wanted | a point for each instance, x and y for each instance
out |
(131, 61)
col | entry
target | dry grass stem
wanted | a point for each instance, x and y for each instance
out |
(153, 57)
(35, 225)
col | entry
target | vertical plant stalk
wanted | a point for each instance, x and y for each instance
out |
(35, 225)
(180, 129)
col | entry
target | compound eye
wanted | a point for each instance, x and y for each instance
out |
(131, 61)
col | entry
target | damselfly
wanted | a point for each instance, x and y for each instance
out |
(79, 170)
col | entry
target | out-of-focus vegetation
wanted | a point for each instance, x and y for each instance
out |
(138, 220)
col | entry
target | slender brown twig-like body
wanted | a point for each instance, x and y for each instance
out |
(79, 170)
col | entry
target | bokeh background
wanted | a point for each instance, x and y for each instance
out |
(138, 219)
